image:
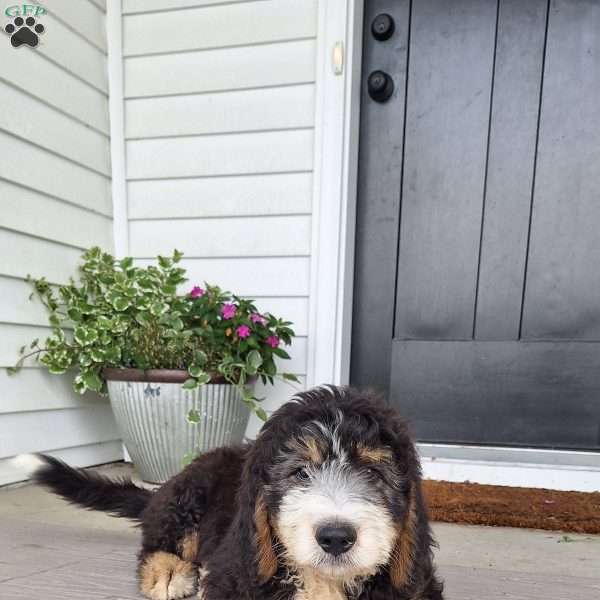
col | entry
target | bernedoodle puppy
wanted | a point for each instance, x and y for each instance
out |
(326, 504)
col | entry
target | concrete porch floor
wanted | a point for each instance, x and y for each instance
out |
(52, 551)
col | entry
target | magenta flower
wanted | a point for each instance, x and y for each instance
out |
(256, 318)
(228, 311)
(197, 292)
(273, 341)
(243, 331)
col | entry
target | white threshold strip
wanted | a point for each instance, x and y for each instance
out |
(514, 467)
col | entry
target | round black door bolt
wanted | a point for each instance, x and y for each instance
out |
(383, 27)
(380, 86)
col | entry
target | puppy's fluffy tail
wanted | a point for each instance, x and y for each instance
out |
(119, 498)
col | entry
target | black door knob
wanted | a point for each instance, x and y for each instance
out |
(383, 27)
(380, 86)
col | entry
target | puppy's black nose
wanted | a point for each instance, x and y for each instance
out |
(336, 539)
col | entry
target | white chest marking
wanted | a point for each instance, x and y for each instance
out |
(319, 588)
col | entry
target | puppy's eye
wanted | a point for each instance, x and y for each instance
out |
(302, 474)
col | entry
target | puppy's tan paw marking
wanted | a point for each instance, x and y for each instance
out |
(188, 546)
(164, 576)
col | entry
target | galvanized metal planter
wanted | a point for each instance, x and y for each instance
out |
(151, 417)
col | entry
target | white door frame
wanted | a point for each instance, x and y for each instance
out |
(116, 111)
(339, 57)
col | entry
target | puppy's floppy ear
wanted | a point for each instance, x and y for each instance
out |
(254, 533)
(266, 560)
(402, 564)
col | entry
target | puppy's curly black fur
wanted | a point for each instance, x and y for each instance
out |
(225, 514)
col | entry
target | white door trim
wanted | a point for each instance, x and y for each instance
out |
(566, 470)
(334, 191)
(116, 111)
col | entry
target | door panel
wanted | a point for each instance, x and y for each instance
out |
(477, 281)
(562, 296)
(511, 157)
(527, 392)
(446, 137)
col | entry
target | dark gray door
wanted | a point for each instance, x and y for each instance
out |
(477, 284)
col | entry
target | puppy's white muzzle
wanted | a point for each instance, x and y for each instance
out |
(359, 533)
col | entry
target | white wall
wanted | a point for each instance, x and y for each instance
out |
(219, 119)
(55, 201)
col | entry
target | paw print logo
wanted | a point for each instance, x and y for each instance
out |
(24, 31)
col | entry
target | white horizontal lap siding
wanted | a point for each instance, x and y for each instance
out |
(101, 4)
(85, 228)
(265, 108)
(220, 111)
(292, 309)
(22, 255)
(14, 336)
(253, 195)
(84, 18)
(223, 69)
(230, 154)
(144, 6)
(220, 26)
(53, 130)
(58, 428)
(55, 190)
(33, 390)
(280, 277)
(34, 167)
(228, 236)
(60, 45)
(296, 364)
(18, 305)
(57, 88)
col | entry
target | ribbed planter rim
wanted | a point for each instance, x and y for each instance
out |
(154, 375)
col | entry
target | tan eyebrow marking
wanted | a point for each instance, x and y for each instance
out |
(308, 448)
(314, 450)
(377, 455)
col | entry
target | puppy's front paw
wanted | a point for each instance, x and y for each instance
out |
(164, 576)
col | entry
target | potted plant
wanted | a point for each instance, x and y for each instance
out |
(179, 369)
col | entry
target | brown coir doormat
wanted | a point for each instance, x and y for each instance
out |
(476, 504)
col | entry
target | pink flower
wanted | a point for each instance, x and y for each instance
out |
(273, 341)
(243, 331)
(256, 318)
(197, 292)
(228, 311)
